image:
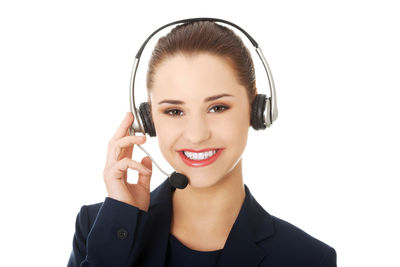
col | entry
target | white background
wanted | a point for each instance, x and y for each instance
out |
(329, 164)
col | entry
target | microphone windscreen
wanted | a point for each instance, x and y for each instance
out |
(178, 180)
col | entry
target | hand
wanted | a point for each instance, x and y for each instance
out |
(119, 159)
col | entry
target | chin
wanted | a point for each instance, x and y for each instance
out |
(201, 182)
(206, 179)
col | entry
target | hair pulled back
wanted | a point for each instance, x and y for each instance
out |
(206, 37)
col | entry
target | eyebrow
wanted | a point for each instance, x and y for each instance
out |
(179, 102)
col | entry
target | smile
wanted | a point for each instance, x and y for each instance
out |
(199, 159)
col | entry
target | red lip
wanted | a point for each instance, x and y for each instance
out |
(200, 163)
(198, 151)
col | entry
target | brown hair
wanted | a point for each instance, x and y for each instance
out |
(208, 37)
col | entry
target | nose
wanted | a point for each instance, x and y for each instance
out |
(197, 129)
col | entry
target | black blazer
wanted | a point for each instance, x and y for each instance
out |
(113, 233)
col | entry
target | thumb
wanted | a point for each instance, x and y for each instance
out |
(143, 178)
(146, 161)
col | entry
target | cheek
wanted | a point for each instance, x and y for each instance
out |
(166, 129)
(233, 128)
(166, 133)
(166, 145)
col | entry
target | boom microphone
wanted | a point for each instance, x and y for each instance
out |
(178, 180)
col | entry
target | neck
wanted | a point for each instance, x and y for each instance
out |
(211, 209)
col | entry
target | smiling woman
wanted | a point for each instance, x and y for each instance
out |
(199, 85)
(201, 95)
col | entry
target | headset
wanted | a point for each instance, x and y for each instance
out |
(264, 109)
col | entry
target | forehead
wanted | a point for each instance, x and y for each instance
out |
(201, 75)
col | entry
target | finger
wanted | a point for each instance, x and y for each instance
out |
(125, 148)
(123, 128)
(146, 161)
(127, 141)
(144, 178)
(126, 152)
(125, 163)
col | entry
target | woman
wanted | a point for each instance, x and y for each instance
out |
(201, 84)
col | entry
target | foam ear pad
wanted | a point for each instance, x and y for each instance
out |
(257, 119)
(147, 121)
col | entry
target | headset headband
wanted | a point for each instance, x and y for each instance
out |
(271, 108)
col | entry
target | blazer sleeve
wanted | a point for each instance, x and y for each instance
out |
(329, 258)
(111, 237)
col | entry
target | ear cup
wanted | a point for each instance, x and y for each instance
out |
(147, 121)
(257, 119)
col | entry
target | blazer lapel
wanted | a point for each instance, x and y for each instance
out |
(159, 223)
(252, 225)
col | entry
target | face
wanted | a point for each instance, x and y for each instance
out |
(201, 115)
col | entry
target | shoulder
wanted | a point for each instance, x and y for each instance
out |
(284, 243)
(294, 236)
(110, 207)
(90, 211)
(297, 247)
(87, 213)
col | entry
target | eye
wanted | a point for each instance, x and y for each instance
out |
(173, 112)
(219, 108)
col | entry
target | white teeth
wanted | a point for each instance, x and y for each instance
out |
(199, 156)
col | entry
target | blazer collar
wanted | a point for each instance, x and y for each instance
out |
(252, 225)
